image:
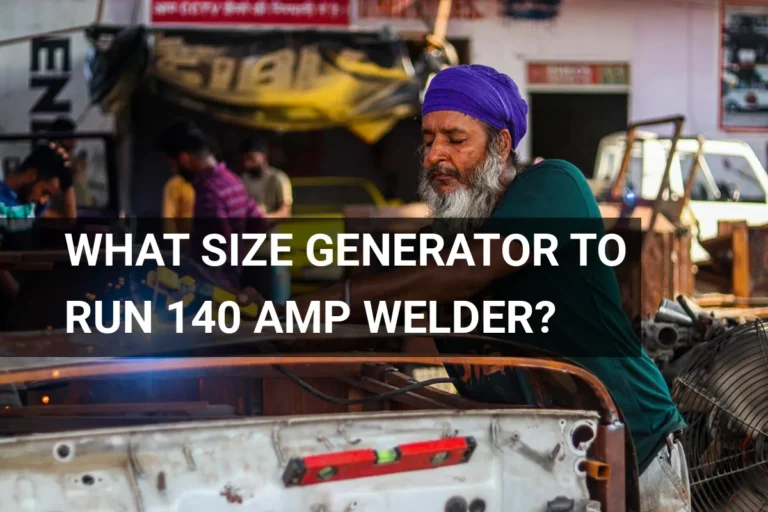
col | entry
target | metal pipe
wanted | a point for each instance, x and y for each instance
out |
(692, 173)
(664, 181)
(61, 31)
(610, 448)
(441, 21)
(616, 190)
(50, 33)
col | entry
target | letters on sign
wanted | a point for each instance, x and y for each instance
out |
(290, 12)
(207, 69)
(578, 74)
(50, 69)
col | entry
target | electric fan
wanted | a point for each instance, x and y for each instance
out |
(722, 392)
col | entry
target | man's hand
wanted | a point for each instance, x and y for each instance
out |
(251, 296)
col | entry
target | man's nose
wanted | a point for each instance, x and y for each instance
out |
(435, 154)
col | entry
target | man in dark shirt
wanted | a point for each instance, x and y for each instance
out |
(472, 121)
(222, 204)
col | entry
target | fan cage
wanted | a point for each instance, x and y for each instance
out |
(722, 393)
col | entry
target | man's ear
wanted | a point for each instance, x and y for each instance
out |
(506, 144)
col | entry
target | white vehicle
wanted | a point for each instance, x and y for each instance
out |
(730, 183)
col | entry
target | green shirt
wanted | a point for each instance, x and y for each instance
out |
(589, 325)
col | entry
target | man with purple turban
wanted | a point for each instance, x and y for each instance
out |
(473, 119)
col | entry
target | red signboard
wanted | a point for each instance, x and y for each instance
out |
(247, 12)
(578, 74)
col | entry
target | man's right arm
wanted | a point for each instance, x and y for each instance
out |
(285, 192)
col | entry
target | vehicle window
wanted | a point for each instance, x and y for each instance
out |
(336, 196)
(701, 190)
(735, 178)
(635, 174)
(609, 167)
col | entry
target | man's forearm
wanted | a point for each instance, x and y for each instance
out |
(281, 213)
(69, 203)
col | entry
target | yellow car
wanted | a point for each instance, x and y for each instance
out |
(329, 195)
(318, 207)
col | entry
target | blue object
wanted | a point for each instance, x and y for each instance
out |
(629, 201)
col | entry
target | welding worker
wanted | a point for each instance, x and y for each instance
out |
(268, 186)
(473, 118)
(25, 196)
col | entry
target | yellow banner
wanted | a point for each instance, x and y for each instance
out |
(290, 81)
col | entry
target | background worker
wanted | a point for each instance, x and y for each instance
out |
(268, 186)
(221, 202)
(271, 189)
(178, 204)
(25, 196)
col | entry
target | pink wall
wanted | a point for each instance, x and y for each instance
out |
(675, 68)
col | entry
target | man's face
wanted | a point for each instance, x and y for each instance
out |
(454, 145)
(461, 176)
(181, 165)
(39, 191)
(254, 162)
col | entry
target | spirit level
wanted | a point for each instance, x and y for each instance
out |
(331, 467)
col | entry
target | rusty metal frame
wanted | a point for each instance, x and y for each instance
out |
(612, 492)
(694, 170)
(609, 411)
(678, 121)
(616, 190)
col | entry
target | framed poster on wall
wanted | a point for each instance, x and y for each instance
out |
(744, 66)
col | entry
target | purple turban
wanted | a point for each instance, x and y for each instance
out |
(480, 92)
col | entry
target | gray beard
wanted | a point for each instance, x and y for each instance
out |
(466, 208)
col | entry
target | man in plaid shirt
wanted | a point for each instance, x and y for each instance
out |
(222, 203)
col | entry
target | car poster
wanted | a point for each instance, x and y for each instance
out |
(744, 66)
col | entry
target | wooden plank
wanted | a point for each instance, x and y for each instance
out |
(740, 273)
